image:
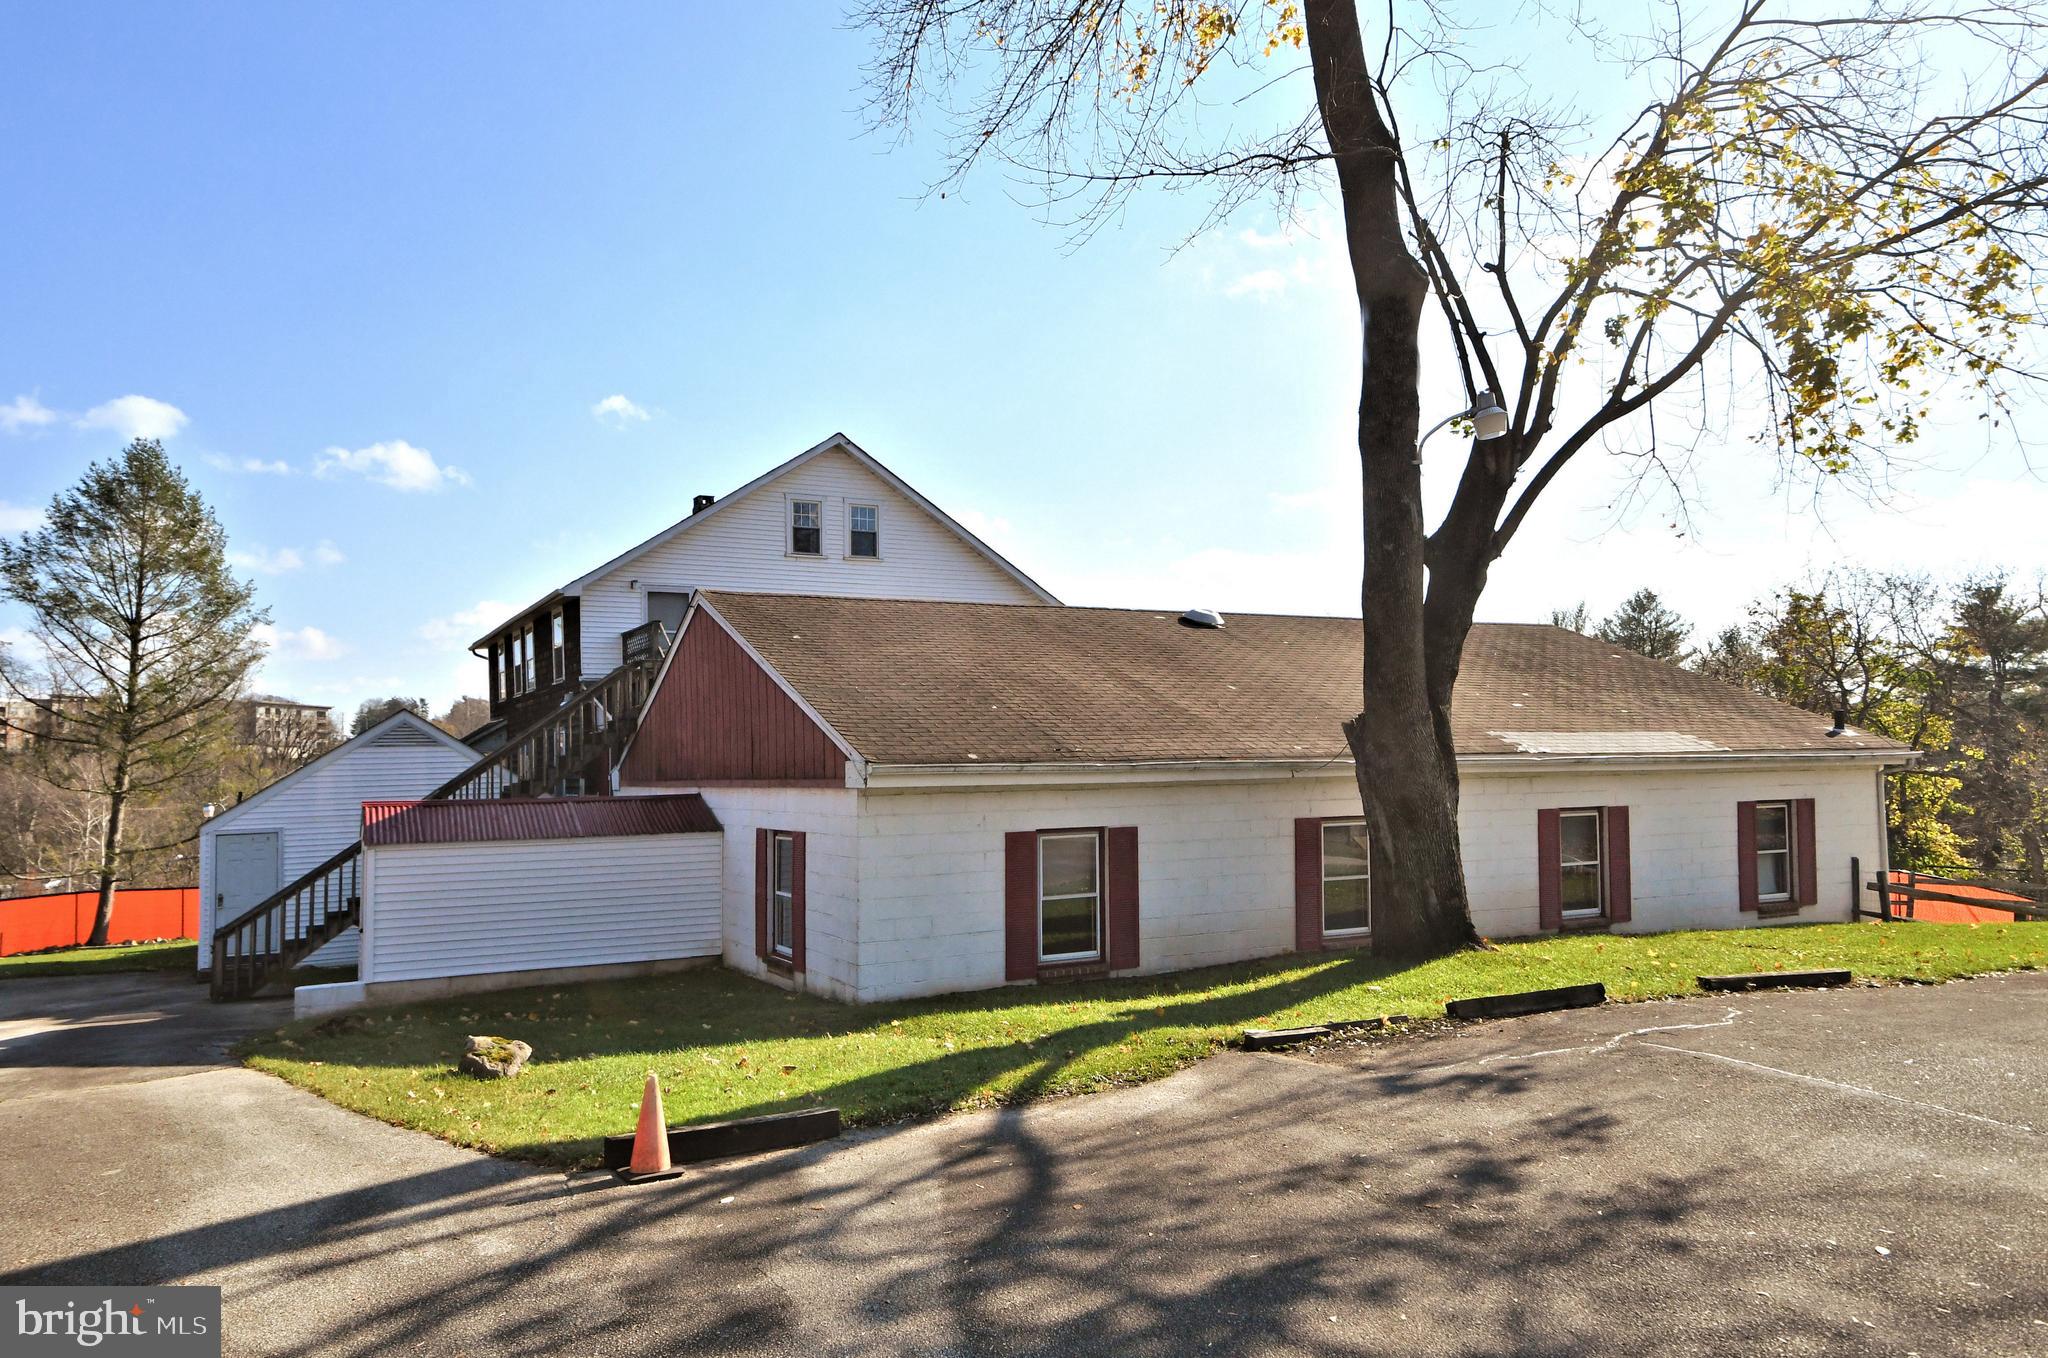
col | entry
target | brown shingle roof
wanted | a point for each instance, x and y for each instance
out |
(913, 682)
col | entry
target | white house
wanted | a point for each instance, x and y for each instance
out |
(250, 850)
(831, 520)
(920, 797)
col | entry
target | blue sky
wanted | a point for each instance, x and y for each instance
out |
(374, 270)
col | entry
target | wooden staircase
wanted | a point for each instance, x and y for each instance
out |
(570, 751)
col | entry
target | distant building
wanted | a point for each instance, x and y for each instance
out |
(30, 719)
(274, 725)
(282, 726)
(22, 720)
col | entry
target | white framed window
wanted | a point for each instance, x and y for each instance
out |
(1069, 896)
(526, 655)
(558, 645)
(1347, 878)
(1581, 846)
(806, 528)
(1774, 851)
(864, 531)
(782, 895)
(498, 661)
(515, 649)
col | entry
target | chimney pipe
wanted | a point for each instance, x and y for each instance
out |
(1841, 723)
(700, 503)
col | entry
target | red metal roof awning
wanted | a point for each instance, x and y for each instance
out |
(508, 818)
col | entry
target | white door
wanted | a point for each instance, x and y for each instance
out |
(244, 872)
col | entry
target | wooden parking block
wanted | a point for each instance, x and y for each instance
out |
(1777, 980)
(1528, 1002)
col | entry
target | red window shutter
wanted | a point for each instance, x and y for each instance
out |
(796, 904)
(1121, 848)
(1745, 855)
(1020, 905)
(1549, 872)
(1618, 906)
(762, 845)
(1308, 884)
(1805, 868)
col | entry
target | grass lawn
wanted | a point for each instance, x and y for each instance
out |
(726, 1046)
(174, 956)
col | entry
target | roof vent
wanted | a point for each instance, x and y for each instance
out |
(1841, 723)
(700, 503)
(1206, 618)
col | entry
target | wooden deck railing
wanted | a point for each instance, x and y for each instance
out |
(569, 751)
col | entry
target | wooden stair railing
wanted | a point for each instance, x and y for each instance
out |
(570, 750)
(275, 935)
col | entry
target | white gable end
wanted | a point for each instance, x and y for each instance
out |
(745, 546)
(316, 811)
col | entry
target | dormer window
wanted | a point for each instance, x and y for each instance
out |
(863, 531)
(806, 528)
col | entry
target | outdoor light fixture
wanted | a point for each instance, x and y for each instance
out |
(208, 811)
(1489, 421)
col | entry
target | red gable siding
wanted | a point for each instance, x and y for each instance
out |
(719, 717)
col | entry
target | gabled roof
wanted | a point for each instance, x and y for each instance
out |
(471, 822)
(926, 683)
(404, 727)
(839, 442)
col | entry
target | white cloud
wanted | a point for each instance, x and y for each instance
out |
(460, 628)
(618, 411)
(1301, 256)
(255, 466)
(19, 518)
(303, 643)
(24, 413)
(396, 464)
(1261, 284)
(264, 561)
(135, 417)
(993, 529)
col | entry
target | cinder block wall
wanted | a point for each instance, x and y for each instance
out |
(1681, 839)
(1216, 861)
(827, 817)
(904, 893)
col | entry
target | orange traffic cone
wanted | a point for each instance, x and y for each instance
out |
(650, 1140)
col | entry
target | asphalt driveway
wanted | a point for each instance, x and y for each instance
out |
(1838, 1172)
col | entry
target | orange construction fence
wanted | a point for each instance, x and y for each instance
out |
(1953, 912)
(34, 923)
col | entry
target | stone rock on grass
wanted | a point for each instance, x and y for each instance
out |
(494, 1058)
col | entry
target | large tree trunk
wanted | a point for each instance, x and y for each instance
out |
(1407, 772)
(110, 856)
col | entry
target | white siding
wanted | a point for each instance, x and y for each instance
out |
(318, 811)
(1216, 865)
(744, 547)
(472, 909)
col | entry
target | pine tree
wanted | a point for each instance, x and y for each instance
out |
(144, 638)
(1644, 625)
(373, 710)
